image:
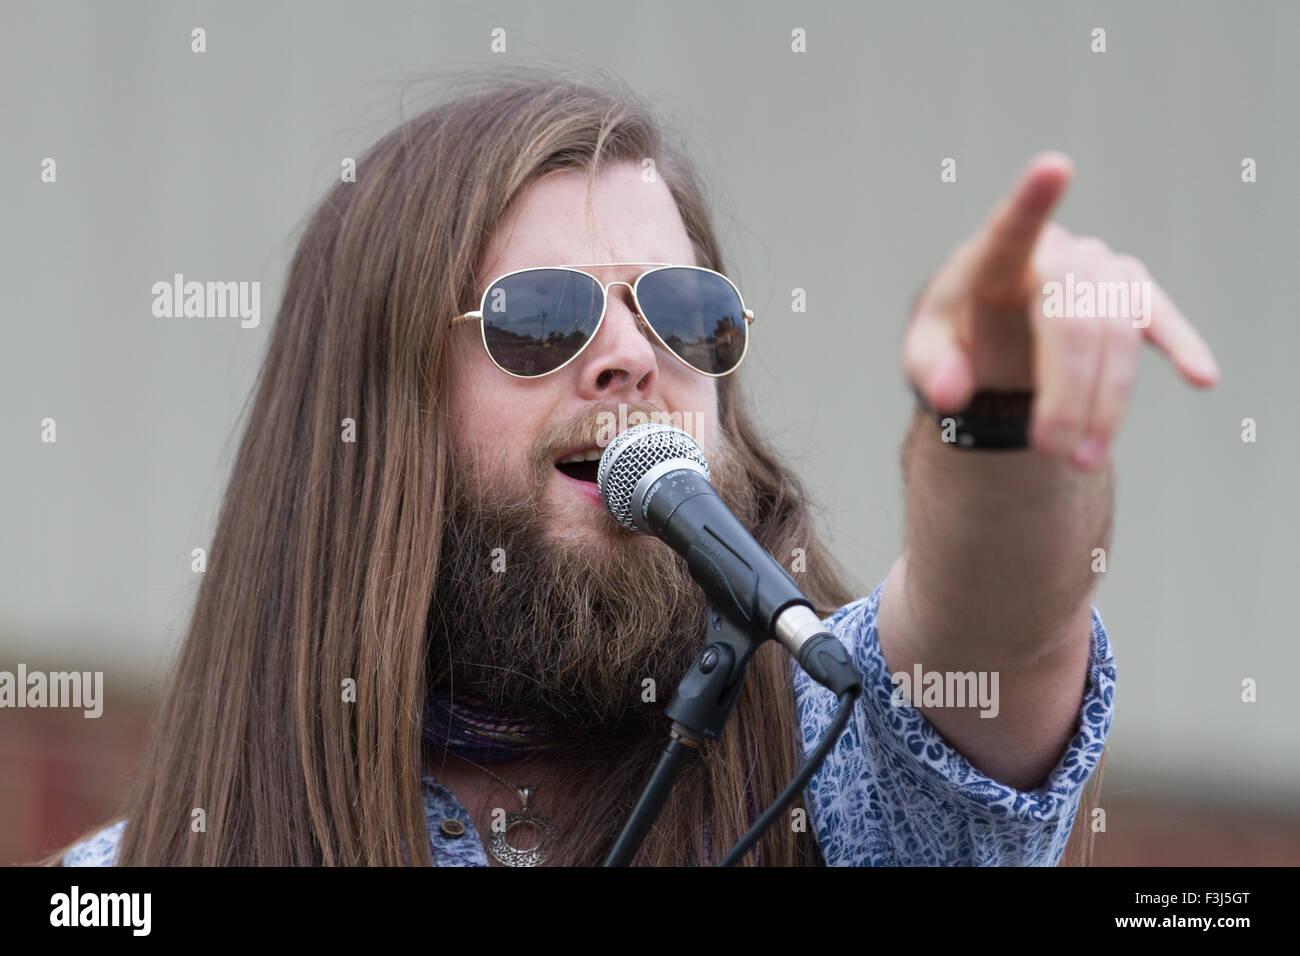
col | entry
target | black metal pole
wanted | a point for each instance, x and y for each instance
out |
(703, 703)
(652, 800)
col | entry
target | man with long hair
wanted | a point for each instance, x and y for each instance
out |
(422, 639)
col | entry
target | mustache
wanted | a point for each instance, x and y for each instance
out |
(480, 481)
(591, 428)
(597, 427)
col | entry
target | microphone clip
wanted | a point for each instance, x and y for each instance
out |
(708, 693)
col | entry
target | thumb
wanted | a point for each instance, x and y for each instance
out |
(936, 365)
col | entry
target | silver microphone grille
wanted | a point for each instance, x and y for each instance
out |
(632, 454)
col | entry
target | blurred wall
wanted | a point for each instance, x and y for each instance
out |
(825, 172)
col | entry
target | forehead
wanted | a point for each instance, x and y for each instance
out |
(624, 218)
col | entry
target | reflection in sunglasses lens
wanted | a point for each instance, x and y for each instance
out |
(535, 321)
(698, 315)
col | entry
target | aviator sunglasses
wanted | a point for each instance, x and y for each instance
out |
(536, 321)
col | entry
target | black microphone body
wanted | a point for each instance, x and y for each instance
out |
(738, 575)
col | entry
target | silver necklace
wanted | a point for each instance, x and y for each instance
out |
(502, 850)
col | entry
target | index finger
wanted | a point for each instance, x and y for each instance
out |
(1005, 246)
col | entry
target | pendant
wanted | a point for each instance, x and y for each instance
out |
(506, 853)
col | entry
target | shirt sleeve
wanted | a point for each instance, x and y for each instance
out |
(893, 792)
(99, 850)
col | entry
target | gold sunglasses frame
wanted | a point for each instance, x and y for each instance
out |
(477, 314)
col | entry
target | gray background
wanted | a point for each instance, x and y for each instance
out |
(825, 170)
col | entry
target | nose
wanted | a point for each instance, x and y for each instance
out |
(621, 358)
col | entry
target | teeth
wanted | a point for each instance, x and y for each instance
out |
(593, 455)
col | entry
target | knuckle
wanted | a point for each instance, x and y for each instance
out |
(1131, 266)
(1052, 246)
(1075, 331)
(1053, 231)
(1092, 245)
(1091, 255)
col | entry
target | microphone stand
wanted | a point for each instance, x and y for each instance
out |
(704, 700)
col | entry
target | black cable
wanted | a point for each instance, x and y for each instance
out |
(795, 787)
(652, 799)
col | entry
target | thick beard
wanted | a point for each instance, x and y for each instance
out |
(566, 636)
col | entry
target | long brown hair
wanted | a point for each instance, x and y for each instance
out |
(326, 551)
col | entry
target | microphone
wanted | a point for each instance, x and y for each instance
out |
(654, 480)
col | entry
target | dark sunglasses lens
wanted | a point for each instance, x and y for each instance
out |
(698, 315)
(535, 321)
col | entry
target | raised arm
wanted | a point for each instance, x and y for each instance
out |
(997, 572)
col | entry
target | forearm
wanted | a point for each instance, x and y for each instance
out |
(999, 545)
(997, 576)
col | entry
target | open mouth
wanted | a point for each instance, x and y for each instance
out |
(580, 465)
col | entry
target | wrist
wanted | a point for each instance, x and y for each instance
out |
(993, 420)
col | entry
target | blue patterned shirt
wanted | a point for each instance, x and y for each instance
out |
(892, 792)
